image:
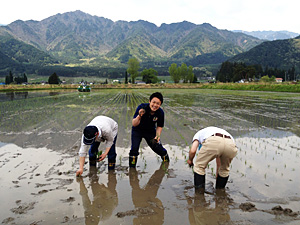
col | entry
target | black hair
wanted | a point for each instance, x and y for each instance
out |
(157, 95)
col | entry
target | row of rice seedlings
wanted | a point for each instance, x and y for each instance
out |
(271, 148)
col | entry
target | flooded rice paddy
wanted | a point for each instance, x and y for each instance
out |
(40, 136)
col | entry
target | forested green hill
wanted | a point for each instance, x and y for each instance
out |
(282, 54)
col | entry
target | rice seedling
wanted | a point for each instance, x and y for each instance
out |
(264, 132)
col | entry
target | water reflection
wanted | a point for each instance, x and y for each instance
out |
(83, 95)
(23, 95)
(53, 93)
(202, 212)
(145, 198)
(15, 95)
(105, 198)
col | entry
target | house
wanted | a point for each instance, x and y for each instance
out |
(279, 80)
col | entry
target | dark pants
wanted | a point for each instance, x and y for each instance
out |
(136, 138)
(111, 154)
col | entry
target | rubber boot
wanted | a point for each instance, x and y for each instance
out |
(199, 181)
(165, 158)
(221, 182)
(93, 158)
(132, 161)
(93, 161)
(111, 164)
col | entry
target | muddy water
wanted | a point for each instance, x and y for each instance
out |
(40, 135)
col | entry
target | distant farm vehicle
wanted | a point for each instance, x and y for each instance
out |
(84, 88)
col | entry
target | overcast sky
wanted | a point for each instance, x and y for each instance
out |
(247, 15)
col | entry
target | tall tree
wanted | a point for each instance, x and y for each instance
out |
(126, 77)
(150, 76)
(133, 67)
(21, 79)
(18, 79)
(195, 80)
(291, 74)
(184, 72)
(225, 73)
(239, 73)
(251, 71)
(190, 74)
(174, 73)
(9, 79)
(25, 78)
(53, 79)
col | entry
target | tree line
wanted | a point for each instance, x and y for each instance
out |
(236, 71)
(228, 72)
(178, 73)
(183, 73)
(149, 76)
(15, 79)
(11, 79)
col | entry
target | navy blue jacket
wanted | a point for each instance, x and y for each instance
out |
(148, 121)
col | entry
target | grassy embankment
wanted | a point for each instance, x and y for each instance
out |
(285, 87)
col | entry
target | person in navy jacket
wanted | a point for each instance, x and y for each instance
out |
(147, 123)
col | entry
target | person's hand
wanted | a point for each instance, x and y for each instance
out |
(79, 172)
(142, 112)
(102, 157)
(190, 162)
(157, 138)
(153, 141)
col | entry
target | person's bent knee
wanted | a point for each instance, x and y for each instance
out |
(199, 170)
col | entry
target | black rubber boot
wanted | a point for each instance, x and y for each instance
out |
(132, 161)
(93, 158)
(165, 158)
(111, 164)
(199, 181)
(221, 182)
(92, 161)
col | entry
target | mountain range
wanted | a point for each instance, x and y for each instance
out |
(76, 43)
(270, 35)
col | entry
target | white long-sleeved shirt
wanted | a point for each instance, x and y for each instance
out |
(108, 129)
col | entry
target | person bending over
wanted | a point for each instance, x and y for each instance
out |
(213, 143)
(100, 129)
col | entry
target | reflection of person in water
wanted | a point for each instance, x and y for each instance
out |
(200, 211)
(145, 198)
(105, 198)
